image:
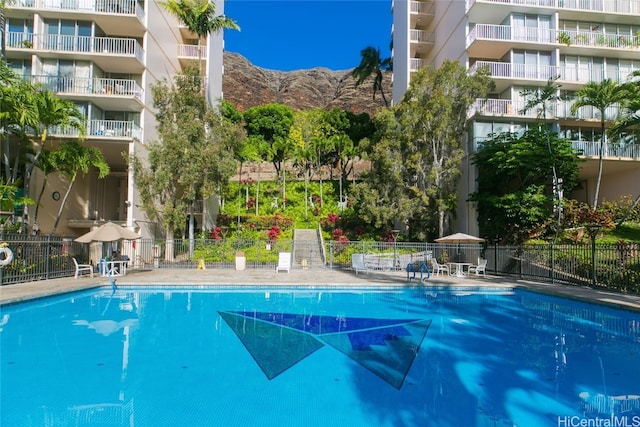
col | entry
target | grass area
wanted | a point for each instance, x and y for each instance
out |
(628, 232)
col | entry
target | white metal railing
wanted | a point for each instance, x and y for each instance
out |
(103, 129)
(63, 43)
(423, 7)
(421, 36)
(417, 63)
(610, 149)
(115, 7)
(192, 51)
(557, 110)
(100, 86)
(579, 74)
(607, 6)
(540, 35)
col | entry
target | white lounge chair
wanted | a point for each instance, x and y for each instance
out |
(80, 268)
(284, 261)
(480, 268)
(358, 264)
(439, 268)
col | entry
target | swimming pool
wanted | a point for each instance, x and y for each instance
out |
(177, 356)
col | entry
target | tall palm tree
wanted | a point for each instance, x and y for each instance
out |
(199, 16)
(630, 114)
(599, 95)
(542, 99)
(372, 64)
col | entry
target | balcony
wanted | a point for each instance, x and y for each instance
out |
(108, 94)
(115, 130)
(421, 42)
(610, 150)
(560, 110)
(482, 38)
(113, 16)
(571, 77)
(187, 53)
(417, 63)
(624, 7)
(422, 13)
(108, 52)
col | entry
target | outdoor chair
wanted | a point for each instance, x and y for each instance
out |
(284, 262)
(440, 268)
(358, 264)
(480, 268)
(80, 268)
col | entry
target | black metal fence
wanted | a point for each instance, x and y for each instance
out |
(616, 266)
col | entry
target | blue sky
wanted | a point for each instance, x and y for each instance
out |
(300, 34)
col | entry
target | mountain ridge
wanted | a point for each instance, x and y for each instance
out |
(246, 85)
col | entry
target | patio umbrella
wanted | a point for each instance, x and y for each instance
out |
(459, 238)
(108, 232)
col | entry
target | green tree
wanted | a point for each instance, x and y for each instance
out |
(383, 197)
(71, 159)
(544, 99)
(193, 157)
(371, 63)
(601, 96)
(199, 16)
(514, 196)
(433, 120)
(307, 134)
(268, 128)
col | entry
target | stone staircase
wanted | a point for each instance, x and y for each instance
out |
(307, 249)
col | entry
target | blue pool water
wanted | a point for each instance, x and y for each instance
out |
(295, 357)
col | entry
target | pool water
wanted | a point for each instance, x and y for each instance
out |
(268, 357)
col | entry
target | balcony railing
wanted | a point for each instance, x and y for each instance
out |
(417, 63)
(192, 51)
(607, 6)
(62, 43)
(86, 86)
(615, 150)
(578, 74)
(103, 129)
(540, 35)
(558, 110)
(112, 7)
(592, 149)
(423, 7)
(421, 36)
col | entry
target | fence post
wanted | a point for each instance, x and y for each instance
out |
(48, 257)
(495, 257)
(553, 264)
(331, 254)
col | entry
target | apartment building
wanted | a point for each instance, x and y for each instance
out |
(524, 43)
(104, 55)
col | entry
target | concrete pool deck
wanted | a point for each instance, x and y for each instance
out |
(317, 277)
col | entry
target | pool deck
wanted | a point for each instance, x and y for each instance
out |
(312, 277)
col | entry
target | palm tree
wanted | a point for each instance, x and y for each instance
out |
(630, 111)
(599, 95)
(541, 99)
(199, 16)
(372, 64)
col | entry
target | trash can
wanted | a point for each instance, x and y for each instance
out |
(241, 261)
